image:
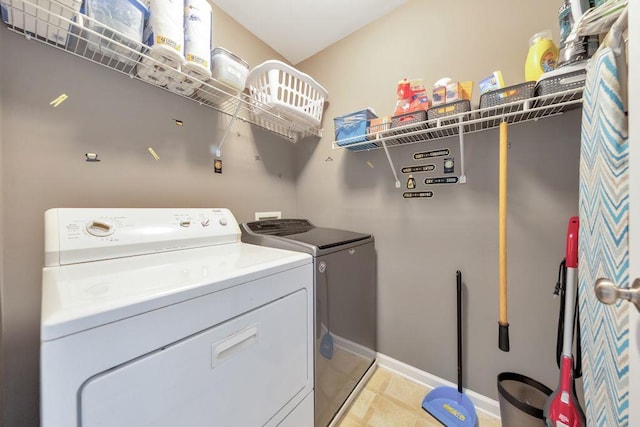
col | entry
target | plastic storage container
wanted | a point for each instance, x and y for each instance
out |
(449, 109)
(563, 79)
(229, 69)
(417, 120)
(352, 128)
(119, 22)
(229, 74)
(43, 21)
(560, 82)
(507, 95)
(292, 94)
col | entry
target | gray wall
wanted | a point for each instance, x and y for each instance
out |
(110, 114)
(421, 243)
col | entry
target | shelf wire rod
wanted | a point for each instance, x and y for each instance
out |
(393, 168)
(226, 132)
(463, 177)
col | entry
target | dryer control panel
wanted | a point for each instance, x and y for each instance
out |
(82, 235)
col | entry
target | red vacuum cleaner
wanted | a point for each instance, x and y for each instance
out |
(562, 408)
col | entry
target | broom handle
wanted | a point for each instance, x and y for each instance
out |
(459, 321)
(503, 324)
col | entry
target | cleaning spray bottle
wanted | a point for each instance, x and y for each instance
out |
(542, 56)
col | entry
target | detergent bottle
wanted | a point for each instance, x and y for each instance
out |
(542, 57)
(404, 97)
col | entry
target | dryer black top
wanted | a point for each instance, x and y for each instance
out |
(301, 230)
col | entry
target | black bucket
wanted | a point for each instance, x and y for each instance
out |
(521, 400)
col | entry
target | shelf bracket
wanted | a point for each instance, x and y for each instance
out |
(393, 169)
(463, 177)
(226, 131)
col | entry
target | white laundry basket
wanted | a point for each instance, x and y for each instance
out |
(290, 93)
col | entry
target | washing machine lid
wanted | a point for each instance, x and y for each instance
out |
(301, 230)
(80, 296)
(325, 238)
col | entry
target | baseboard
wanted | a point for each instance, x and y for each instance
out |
(482, 403)
(355, 348)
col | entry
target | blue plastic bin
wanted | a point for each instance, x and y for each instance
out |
(352, 128)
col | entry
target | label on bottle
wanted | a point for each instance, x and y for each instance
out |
(548, 61)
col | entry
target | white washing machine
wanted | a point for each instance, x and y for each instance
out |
(162, 317)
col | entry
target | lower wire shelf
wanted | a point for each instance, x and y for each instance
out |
(531, 109)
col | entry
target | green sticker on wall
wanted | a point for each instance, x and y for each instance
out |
(417, 194)
(432, 153)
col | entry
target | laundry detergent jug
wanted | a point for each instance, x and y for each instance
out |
(542, 56)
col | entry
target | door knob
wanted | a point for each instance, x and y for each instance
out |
(607, 292)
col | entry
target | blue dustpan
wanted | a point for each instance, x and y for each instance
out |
(446, 404)
(450, 407)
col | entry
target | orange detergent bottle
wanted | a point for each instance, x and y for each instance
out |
(404, 93)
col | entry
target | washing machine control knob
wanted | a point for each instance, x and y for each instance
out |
(100, 228)
(185, 223)
(222, 221)
(205, 222)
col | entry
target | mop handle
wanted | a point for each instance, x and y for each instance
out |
(503, 324)
(459, 324)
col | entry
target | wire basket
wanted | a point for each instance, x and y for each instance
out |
(410, 123)
(289, 92)
(41, 17)
(561, 82)
(507, 95)
(449, 109)
(505, 101)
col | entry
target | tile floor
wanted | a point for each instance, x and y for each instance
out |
(390, 400)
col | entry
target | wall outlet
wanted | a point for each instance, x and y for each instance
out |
(268, 215)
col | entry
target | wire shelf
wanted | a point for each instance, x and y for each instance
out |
(66, 29)
(468, 122)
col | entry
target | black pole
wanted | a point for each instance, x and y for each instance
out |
(459, 313)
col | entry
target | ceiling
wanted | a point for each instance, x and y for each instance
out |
(297, 29)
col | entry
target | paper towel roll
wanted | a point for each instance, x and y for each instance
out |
(164, 33)
(197, 38)
(183, 86)
(152, 74)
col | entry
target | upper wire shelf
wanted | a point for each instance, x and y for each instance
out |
(64, 28)
(467, 122)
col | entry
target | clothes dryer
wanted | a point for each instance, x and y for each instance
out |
(162, 317)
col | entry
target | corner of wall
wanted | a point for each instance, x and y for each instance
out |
(1, 243)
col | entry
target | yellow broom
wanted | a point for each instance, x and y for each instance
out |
(503, 324)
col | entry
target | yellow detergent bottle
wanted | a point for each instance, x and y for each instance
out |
(542, 57)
